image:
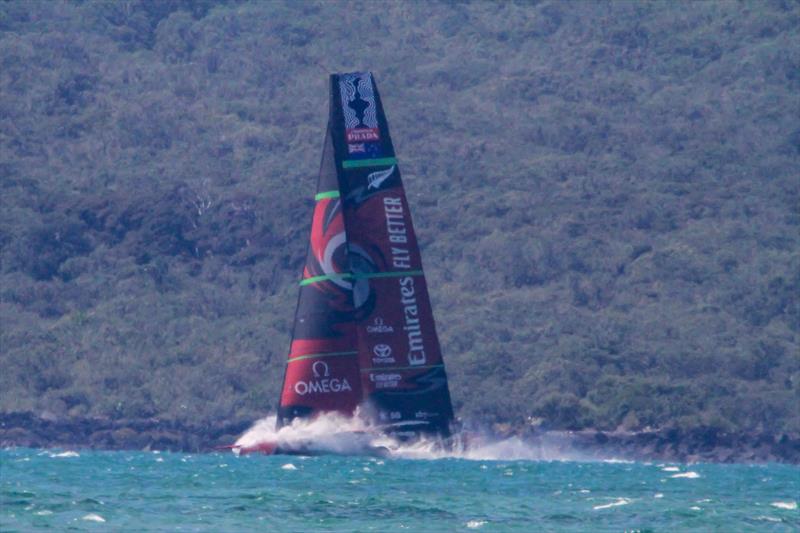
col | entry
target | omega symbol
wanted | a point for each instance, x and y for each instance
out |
(323, 373)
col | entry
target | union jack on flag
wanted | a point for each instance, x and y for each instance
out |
(356, 148)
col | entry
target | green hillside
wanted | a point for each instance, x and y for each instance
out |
(606, 194)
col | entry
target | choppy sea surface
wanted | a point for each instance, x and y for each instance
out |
(146, 491)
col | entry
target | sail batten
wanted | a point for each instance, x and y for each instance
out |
(361, 275)
(318, 355)
(359, 163)
(326, 194)
(387, 369)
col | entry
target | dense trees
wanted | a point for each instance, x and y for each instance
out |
(606, 196)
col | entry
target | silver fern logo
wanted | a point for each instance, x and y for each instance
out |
(376, 179)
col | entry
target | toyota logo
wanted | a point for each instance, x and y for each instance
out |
(382, 350)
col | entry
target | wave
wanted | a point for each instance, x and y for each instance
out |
(687, 475)
(68, 453)
(790, 505)
(615, 503)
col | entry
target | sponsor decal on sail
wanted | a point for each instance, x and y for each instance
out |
(416, 348)
(378, 326)
(398, 234)
(385, 381)
(322, 382)
(363, 135)
(401, 259)
(382, 353)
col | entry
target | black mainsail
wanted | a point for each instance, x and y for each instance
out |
(364, 333)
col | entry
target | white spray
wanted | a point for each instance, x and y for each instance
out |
(338, 434)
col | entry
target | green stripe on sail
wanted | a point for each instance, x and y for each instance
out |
(326, 194)
(386, 369)
(357, 163)
(326, 277)
(315, 355)
(392, 274)
(364, 275)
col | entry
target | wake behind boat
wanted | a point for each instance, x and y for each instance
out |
(364, 338)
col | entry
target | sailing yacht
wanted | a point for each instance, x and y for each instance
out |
(364, 340)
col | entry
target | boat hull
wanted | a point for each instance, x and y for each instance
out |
(346, 443)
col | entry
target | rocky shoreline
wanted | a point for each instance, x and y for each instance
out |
(697, 445)
(29, 430)
(694, 446)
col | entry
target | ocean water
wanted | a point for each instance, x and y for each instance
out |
(148, 491)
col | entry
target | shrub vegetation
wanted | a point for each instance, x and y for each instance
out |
(606, 196)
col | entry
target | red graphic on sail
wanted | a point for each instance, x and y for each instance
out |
(322, 372)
